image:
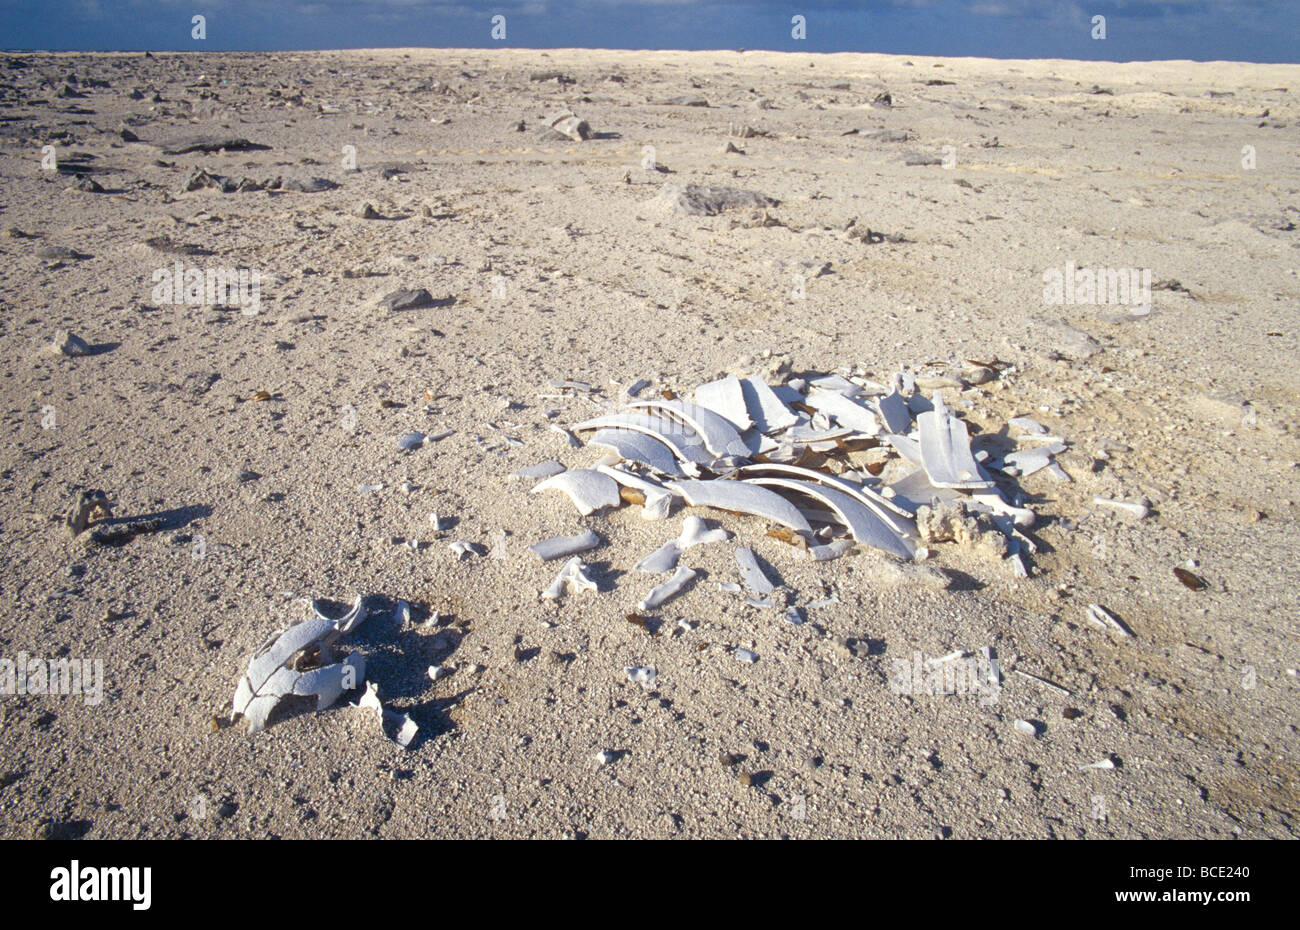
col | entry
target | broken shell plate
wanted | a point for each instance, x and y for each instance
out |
(559, 546)
(638, 447)
(749, 657)
(742, 497)
(1103, 618)
(769, 412)
(411, 441)
(872, 499)
(589, 490)
(539, 471)
(848, 413)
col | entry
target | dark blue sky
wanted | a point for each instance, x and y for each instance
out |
(1240, 30)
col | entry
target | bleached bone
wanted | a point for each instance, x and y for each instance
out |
(769, 412)
(846, 411)
(684, 442)
(642, 675)
(894, 413)
(837, 384)
(726, 398)
(1027, 425)
(658, 500)
(751, 573)
(638, 447)
(539, 471)
(559, 546)
(1136, 509)
(663, 559)
(661, 593)
(873, 500)
(717, 433)
(832, 550)
(411, 441)
(589, 490)
(270, 677)
(572, 577)
(742, 497)
(945, 449)
(865, 524)
(403, 726)
(1106, 620)
(695, 533)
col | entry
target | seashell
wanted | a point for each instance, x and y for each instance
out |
(716, 431)
(661, 593)
(751, 573)
(945, 449)
(638, 447)
(1195, 582)
(559, 546)
(866, 525)
(572, 577)
(589, 490)
(726, 398)
(742, 497)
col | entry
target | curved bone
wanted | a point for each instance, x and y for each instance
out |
(751, 573)
(945, 449)
(719, 436)
(846, 411)
(768, 411)
(865, 525)
(663, 559)
(742, 497)
(683, 441)
(589, 490)
(638, 447)
(881, 506)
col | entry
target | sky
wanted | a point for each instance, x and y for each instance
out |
(1135, 30)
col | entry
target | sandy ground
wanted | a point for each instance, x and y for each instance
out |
(551, 260)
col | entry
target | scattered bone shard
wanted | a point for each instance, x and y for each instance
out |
(588, 489)
(670, 588)
(572, 577)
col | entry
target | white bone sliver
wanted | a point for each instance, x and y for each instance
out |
(751, 573)
(663, 559)
(882, 506)
(695, 533)
(589, 490)
(894, 412)
(726, 398)
(403, 726)
(638, 447)
(661, 593)
(945, 449)
(741, 497)
(559, 546)
(539, 471)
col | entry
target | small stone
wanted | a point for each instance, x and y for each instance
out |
(406, 299)
(68, 343)
(367, 212)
